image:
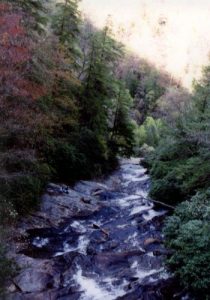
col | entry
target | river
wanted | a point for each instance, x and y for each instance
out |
(115, 253)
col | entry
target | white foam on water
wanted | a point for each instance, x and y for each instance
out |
(78, 226)
(138, 209)
(142, 193)
(127, 201)
(134, 265)
(139, 179)
(132, 237)
(133, 223)
(135, 179)
(134, 242)
(93, 291)
(122, 226)
(80, 248)
(152, 213)
(151, 254)
(143, 273)
(134, 174)
(162, 275)
(66, 249)
(130, 161)
(40, 242)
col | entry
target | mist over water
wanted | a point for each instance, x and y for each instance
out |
(171, 34)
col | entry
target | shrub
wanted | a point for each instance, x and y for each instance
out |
(188, 235)
(7, 267)
(146, 150)
(167, 190)
(20, 190)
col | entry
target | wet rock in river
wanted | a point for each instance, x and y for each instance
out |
(30, 281)
(159, 290)
(107, 259)
(89, 187)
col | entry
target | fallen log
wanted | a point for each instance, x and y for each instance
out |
(158, 202)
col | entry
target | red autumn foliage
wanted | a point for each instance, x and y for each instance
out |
(16, 48)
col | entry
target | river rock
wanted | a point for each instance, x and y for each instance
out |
(89, 187)
(57, 208)
(107, 259)
(30, 281)
(160, 289)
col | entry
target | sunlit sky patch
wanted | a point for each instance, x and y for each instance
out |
(172, 34)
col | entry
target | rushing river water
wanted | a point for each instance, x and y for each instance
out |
(118, 252)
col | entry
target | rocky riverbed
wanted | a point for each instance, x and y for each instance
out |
(98, 240)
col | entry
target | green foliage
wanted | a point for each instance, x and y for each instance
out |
(122, 131)
(180, 170)
(105, 102)
(149, 133)
(7, 269)
(182, 158)
(147, 94)
(37, 11)
(21, 185)
(146, 150)
(66, 22)
(7, 210)
(188, 235)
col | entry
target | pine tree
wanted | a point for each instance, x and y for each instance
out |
(66, 25)
(121, 139)
(99, 81)
(105, 102)
(35, 12)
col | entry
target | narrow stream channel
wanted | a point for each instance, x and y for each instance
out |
(118, 252)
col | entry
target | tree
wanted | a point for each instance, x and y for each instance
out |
(99, 82)
(105, 103)
(180, 169)
(20, 115)
(122, 131)
(36, 9)
(66, 23)
(147, 94)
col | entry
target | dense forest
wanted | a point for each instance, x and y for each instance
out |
(180, 170)
(64, 108)
(73, 100)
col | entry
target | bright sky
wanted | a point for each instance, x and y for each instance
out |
(180, 46)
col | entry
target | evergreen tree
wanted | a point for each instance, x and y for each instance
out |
(121, 140)
(99, 81)
(105, 102)
(35, 12)
(99, 88)
(66, 23)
